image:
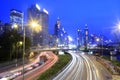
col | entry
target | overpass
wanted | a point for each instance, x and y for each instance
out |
(50, 49)
(94, 50)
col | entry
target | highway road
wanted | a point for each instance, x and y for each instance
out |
(84, 67)
(52, 59)
(31, 71)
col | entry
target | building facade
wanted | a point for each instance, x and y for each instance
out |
(60, 35)
(80, 37)
(41, 16)
(16, 18)
(86, 37)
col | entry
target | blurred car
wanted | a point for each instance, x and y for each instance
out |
(3, 78)
(9, 76)
(35, 65)
(18, 73)
(40, 63)
(28, 69)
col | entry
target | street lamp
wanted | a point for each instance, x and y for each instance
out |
(19, 43)
(23, 47)
(34, 26)
(97, 39)
(118, 26)
(116, 31)
(15, 26)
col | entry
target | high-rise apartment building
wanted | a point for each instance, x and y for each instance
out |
(80, 38)
(16, 19)
(41, 16)
(60, 35)
(57, 32)
(57, 28)
(86, 32)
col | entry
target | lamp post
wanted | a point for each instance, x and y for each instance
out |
(33, 24)
(118, 26)
(98, 40)
(119, 30)
(15, 27)
(19, 44)
(34, 27)
(23, 49)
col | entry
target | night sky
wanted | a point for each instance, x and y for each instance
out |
(99, 15)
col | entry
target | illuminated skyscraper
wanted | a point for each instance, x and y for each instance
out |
(80, 37)
(57, 28)
(16, 18)
(60, 34)
(86, 32)
(40, 15)
(57, 32)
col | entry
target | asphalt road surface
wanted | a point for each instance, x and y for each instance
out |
(31, 75)
(84, 67)
(30, 71)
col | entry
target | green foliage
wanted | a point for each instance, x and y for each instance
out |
(62, 62)
(27, 43)
(9, 45)
(106, 57)
(115, 62)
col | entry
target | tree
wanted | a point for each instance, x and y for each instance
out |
(9, 44)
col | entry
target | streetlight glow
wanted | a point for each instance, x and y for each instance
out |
(118, 25)
(15, 26)
(97, 39)
(34, 24)
(116, 28)
(70, 38)
(20, 42)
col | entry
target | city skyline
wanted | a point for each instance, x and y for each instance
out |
(60, 40)
(100, 16)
